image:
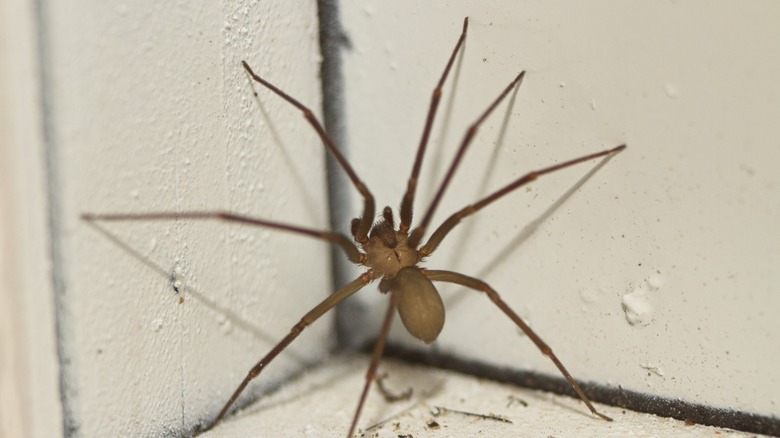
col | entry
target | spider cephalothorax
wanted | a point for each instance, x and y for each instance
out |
(387, 250)
(389, 255)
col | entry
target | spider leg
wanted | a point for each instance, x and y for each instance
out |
(307, 319)
(379, 347)
(407, 204)
(481, 286)
(453, 220)
(367, 218)
(354, 255)
(471, 132)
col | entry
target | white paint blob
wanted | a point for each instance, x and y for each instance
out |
(637, 305)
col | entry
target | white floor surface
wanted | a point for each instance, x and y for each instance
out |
(444, 404)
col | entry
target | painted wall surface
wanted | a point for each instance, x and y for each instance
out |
(659, 273)
(151, 111)
(29, 366)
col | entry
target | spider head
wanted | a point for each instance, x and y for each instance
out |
(387, 250)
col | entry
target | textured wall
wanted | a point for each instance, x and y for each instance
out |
(660, 273)
(152, 111)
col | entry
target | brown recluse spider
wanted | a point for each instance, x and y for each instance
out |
(391, 255)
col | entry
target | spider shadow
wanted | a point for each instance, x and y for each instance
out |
(571, 405)
(294, 389)
(281, 146)
(424, 387)
(528, 231)
(437, 159)
(307, 384)
(201, 297)
(468, 227)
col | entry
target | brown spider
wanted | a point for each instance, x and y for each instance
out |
(391, 254)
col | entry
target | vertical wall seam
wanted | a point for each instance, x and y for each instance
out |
(54, 214)
(333, 42)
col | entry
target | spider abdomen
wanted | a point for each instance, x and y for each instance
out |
(419, 304)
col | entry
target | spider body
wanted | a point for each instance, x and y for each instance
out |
(391, 254)
(387, 250)
(419, 303)
(390, 257)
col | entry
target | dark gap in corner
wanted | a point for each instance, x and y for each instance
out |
(613, 396)
(51, 146)
(333, 43)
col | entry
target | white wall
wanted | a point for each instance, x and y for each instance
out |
(29, 368)
(682, 224)
(152, 111)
